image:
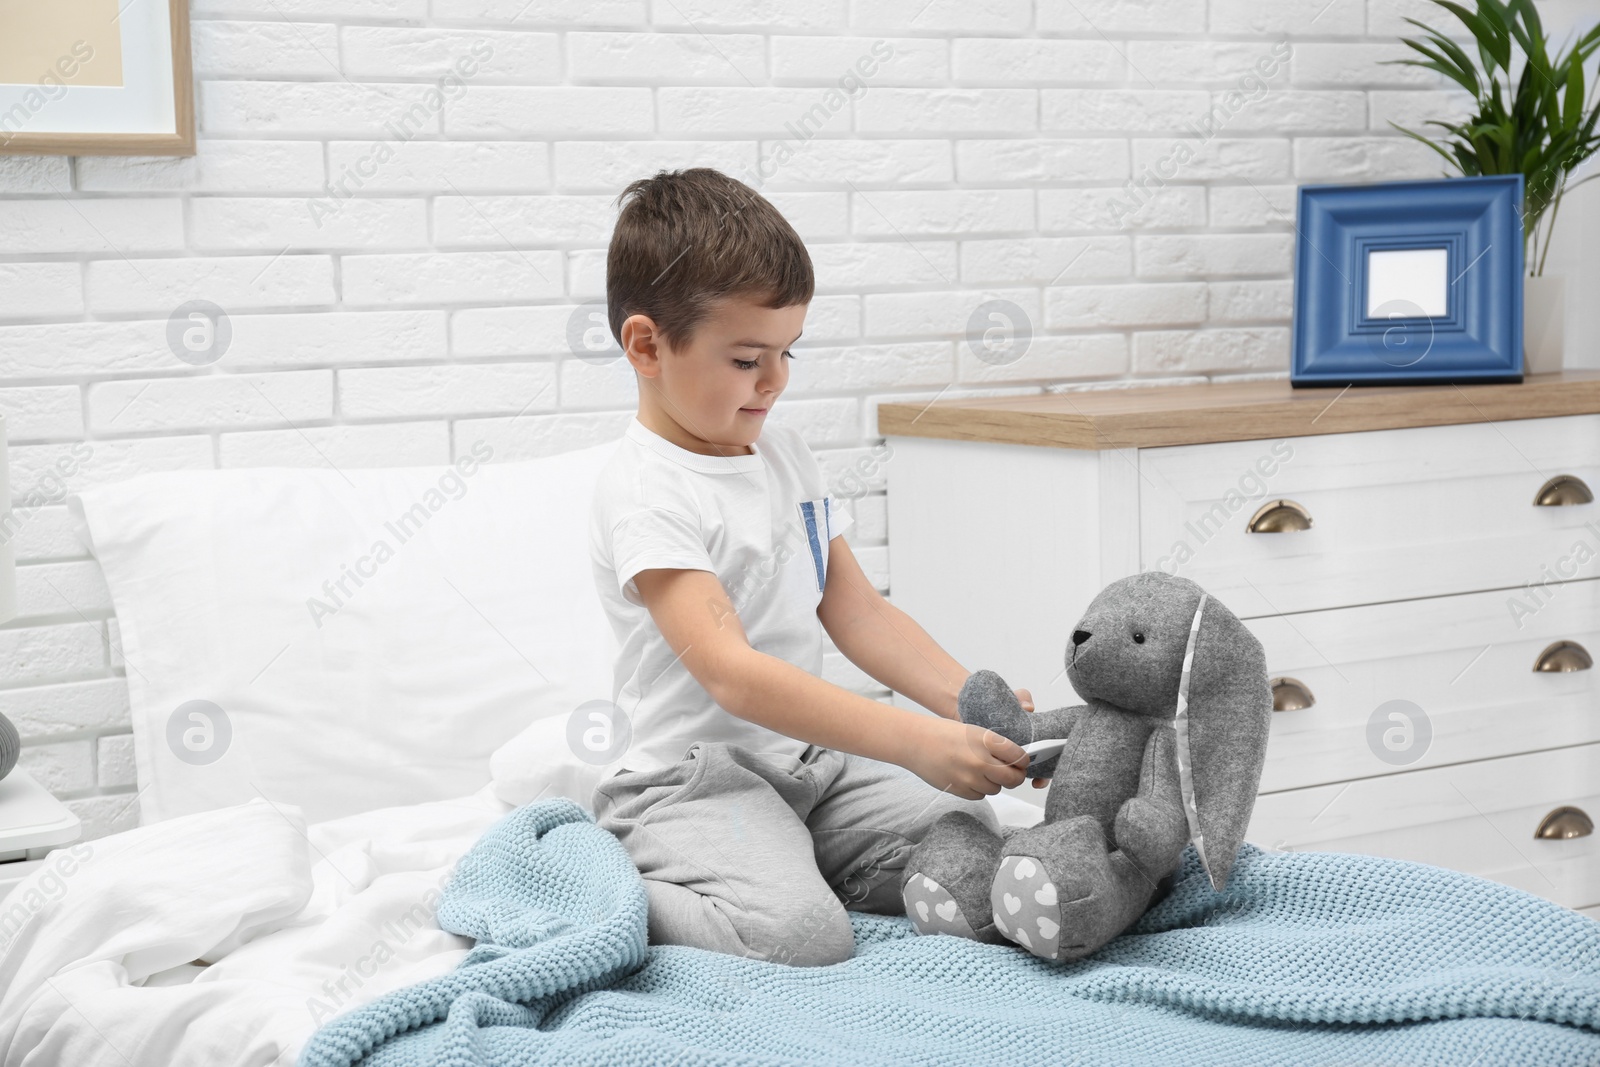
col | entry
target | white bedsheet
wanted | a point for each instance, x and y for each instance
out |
(298, 924)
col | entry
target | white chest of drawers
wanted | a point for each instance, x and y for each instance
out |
(1422, 566)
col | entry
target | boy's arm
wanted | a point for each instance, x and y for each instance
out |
(883, 640)
(888, 644)
(695, 615)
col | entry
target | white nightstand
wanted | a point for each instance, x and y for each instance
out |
(32, 822)
(1418, 562)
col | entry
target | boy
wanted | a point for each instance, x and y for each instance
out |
(755, 798)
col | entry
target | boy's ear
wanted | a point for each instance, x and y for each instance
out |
(1229, 718)
(641, 344)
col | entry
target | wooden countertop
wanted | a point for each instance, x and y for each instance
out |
(1151, 416)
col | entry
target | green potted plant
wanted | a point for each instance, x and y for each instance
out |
(1545, 131)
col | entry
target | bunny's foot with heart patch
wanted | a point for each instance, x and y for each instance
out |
(946, 881)
(1058, 894)
(1025, 906)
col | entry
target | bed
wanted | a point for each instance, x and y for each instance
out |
(364, 836)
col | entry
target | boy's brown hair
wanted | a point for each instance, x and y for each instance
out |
(686, 239)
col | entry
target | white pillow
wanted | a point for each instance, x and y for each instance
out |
(370, 636)
(541, 762)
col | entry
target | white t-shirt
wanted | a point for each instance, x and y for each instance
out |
(761, 523)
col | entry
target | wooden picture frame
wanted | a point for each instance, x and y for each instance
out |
(139, 99)
(1408, 282)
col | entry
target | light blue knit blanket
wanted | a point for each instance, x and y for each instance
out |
(1304, 958)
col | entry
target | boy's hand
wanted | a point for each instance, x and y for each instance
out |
(1025, 698)
(969, 761)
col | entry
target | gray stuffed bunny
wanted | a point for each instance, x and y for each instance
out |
(1168, 749)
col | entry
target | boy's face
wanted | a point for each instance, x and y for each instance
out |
(718, 389)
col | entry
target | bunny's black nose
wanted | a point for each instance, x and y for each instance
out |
(1080, 636)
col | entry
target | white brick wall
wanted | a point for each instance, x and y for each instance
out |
(394, 295)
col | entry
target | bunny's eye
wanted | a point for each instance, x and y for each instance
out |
(1138, 637)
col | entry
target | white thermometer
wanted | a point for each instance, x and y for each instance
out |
(1045, 749)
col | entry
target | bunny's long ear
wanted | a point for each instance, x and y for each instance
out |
(1223, 720)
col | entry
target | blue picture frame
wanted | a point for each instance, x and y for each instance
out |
(1463, 236)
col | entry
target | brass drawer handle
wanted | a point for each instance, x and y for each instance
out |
(1564, 822)
(1290, 694)
(1280, 516)
(1561, 490)
(1563, 656)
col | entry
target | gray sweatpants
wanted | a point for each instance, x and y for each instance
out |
(758, 855)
